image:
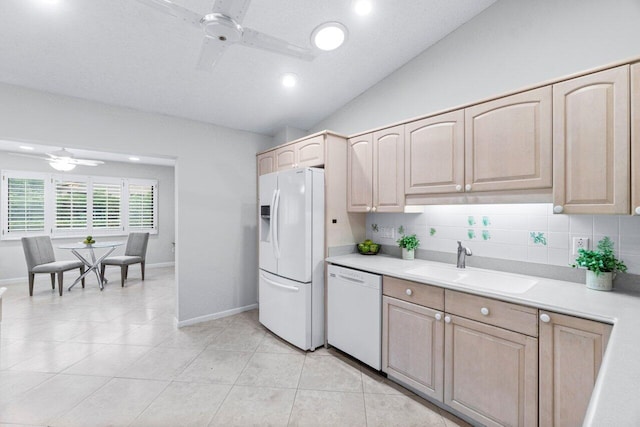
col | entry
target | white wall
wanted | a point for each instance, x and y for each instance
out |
(512, 44)
(215, 183)
(159, 251)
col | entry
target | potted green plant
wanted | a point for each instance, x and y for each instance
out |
(601, 265)
(408, 245)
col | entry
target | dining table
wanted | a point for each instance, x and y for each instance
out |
(91, 261)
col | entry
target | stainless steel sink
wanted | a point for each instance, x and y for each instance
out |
(481, 279)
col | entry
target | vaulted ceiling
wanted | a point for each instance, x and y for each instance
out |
(125, 53)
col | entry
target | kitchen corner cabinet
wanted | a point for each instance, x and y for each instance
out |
(635, 139)
(305, 153)
(375, 173)
(266, 162)
(591, 171)
(434, 154)
(571, 351)
(508, 143)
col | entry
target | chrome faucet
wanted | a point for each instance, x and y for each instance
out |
(463, 252)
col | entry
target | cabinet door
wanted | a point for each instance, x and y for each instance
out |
(635, 139)
(388, 170)
(310, 152)
(508, 143)
(286, 157)
(571, 351)
(412, 341)
(266, 163)
(360, 174)
(591, 143)
(434, 154)
(491, 374)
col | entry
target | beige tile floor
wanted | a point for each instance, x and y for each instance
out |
(92, 358)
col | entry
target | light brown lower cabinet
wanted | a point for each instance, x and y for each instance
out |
(491, 374)
(412, 341)
(571, 351)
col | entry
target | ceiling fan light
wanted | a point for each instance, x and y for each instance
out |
(362, 7)
(62, 165)
(329, 36)
(289, 79)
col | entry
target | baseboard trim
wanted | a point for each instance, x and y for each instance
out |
(214, 316)
(161, 265)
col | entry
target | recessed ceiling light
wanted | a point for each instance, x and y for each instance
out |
(134, 159)
(362, 7)
(289, 79)
(26, 147)
(329, 36)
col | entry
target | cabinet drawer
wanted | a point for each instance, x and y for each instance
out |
(493, 312)
(417, 293)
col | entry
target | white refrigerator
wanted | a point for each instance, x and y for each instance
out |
(291, 254)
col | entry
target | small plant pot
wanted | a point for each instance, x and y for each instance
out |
(601, 282)
(408, 253)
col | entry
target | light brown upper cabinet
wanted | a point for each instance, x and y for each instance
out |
(591, 172)
(375, 172)
(571, 351)
(635, 139)
(305, 153)
(508, 143)
(266, 162)
(434, 154)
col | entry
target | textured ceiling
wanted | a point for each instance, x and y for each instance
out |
(124, 53)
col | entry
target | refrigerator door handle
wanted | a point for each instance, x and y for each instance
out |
(274, 227)
(279, 285)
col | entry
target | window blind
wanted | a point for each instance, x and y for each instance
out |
(141, 206)
(106, 205)
(71, 205)
(25, 205)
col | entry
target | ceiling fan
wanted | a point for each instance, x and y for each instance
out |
(222, 29)
(62, 160)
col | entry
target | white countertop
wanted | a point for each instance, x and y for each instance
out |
(616, 396)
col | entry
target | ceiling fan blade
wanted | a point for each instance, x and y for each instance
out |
(31, 156)
(235, 9)
(173, 9)
(211, 50)
(85, 162)
(260, 40)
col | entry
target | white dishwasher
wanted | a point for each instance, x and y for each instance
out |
(354, 313)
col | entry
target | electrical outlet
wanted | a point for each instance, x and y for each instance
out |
(387, 232)
(580, 243)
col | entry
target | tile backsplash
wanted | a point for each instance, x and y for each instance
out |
(520, 232)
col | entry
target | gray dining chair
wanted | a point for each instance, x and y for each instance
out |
(135, 253)
(40, 257)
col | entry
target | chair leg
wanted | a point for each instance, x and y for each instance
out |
(53, 280)
(123, 274)
(81, 273)
(102, 268)
(31, 279)
(126, 272)
(60, 275)
(142, 269)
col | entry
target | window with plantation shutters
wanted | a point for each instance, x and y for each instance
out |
(107, 198)
(23, 205)
(67, 205)
(71, 205)
(142, 203)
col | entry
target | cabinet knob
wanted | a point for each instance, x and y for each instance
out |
(438, 316)
(373, 209)
(408, 292)
(484, 311)
(558, 209)
(638, 210)
(458, 187)
(544, 317)
(447, 319)
(368, 208)
(467, 187)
